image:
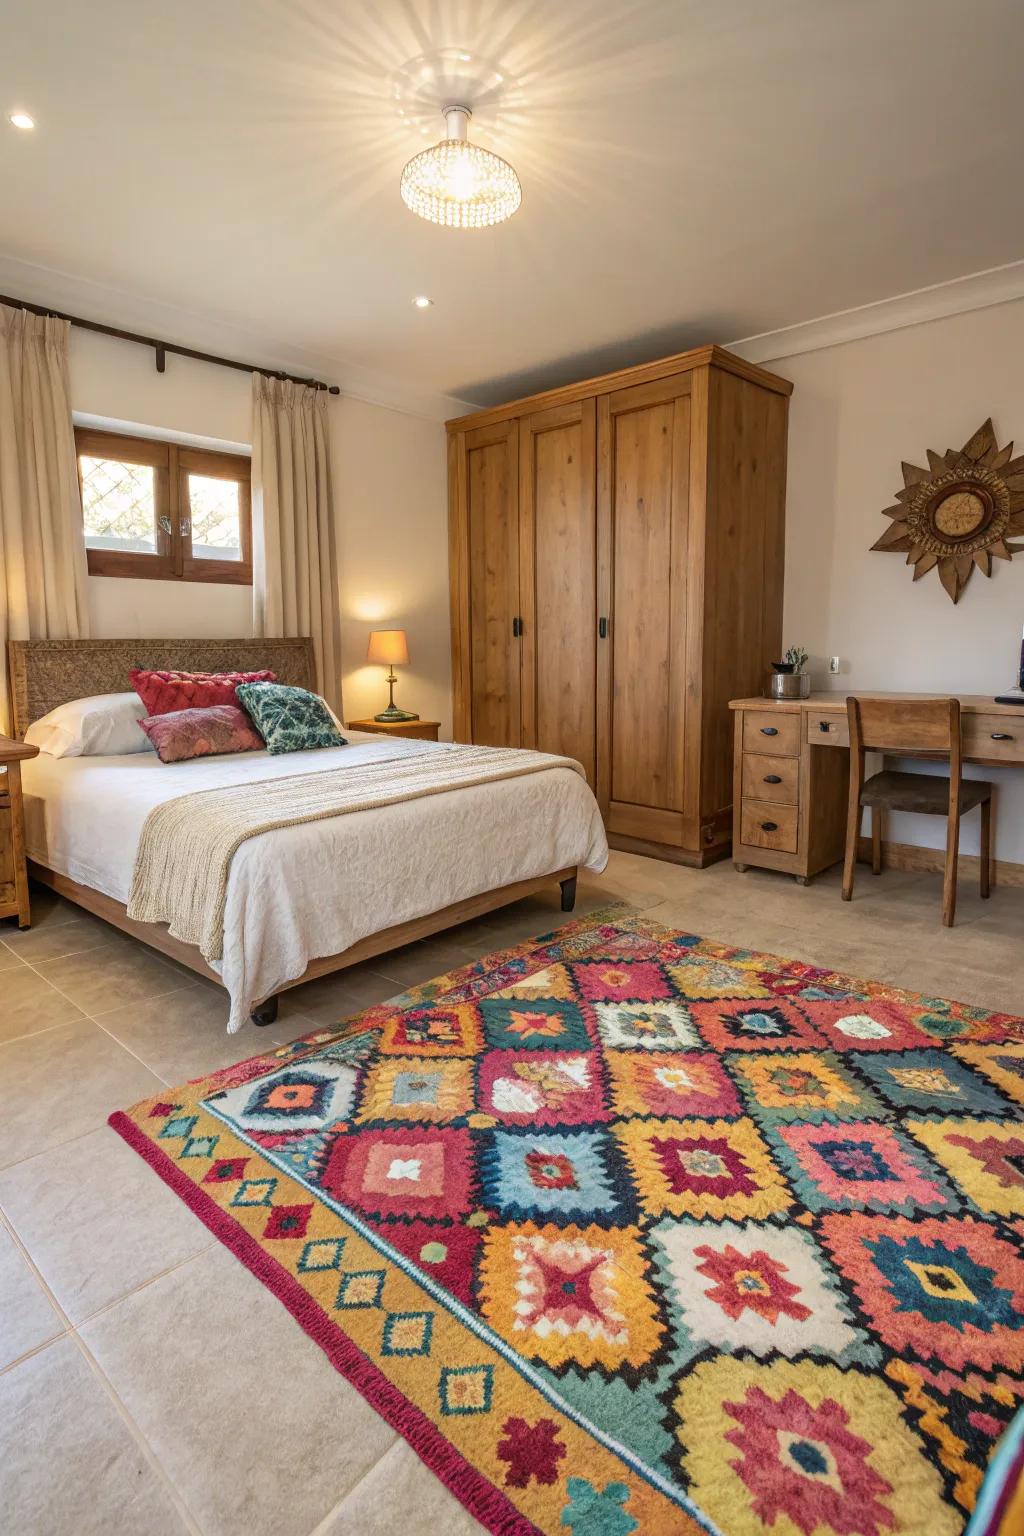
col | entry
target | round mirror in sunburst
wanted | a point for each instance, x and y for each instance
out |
(959, 512)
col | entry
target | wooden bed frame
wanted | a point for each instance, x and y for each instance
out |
(46, 673)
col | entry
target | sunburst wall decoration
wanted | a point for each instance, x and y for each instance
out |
(959, 512)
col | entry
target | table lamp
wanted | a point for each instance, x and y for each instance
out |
(389, 648)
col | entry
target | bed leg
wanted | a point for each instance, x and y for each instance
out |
(265, 1012)
(568, 893)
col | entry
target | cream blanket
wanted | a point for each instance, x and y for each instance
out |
(184, 855)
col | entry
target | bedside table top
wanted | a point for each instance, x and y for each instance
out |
(395, 727)
(12, 751)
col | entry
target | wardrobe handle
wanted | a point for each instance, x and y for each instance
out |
(769, 826)
(602, 628)
(517, 628)
(769, 730)
(1002, 736)
(772, 778)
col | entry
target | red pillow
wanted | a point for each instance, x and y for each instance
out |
(163, 693)
(202, 732)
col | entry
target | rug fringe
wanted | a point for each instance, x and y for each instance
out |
(483, 1500)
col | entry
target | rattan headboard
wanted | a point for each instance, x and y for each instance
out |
(45, 673)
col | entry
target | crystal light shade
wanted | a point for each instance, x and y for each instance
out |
(459, 184)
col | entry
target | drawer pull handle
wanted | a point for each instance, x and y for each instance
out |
(823, 725)
(772, 778)
(1001, 736)
(769, 730)
(769, 826)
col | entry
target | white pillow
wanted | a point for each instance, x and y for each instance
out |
(106, 725)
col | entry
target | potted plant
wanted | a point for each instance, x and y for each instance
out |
(788, 679)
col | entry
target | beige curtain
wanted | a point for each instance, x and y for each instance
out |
(42, 544)
(295, 581)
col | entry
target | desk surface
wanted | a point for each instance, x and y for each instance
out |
(970, 703)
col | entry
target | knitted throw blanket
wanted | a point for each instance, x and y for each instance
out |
(187, 844)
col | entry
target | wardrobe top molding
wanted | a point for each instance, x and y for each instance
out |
(606, 383)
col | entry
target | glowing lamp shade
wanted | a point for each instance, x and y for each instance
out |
(458, 184)
(388, 648)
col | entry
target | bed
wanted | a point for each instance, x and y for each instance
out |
(305, 900)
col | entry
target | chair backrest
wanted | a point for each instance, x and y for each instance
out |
(904, 726)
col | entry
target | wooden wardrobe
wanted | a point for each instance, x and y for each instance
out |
(616, 555)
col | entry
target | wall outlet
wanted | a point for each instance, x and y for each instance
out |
(833, 664)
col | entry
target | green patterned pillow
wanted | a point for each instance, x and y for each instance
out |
(289, 719)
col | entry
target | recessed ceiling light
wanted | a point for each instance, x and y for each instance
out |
(21, 120)
(422, 302)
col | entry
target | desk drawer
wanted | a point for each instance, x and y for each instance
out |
(766, 825)
(771, 731)
(998, 737)
(826, 727)
(771, 778)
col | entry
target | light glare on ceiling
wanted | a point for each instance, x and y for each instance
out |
(21, 120)
(422, 302)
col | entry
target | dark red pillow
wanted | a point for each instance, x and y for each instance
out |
(163, 693)
(185, 733)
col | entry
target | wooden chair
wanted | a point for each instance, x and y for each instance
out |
(911, 728)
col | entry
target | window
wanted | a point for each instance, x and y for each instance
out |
(163, 510)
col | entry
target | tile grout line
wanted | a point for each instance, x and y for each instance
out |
(135, 1430)
(143, 1285)
(323, 1526)
(20, 1161)
(31, 1034)
(71, 1332)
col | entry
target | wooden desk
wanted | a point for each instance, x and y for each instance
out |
(789, 800)
(14, 900)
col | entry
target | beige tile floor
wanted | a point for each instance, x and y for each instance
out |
(147, 1382)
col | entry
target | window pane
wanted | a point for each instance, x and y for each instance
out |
(216, 519)
(118, 505)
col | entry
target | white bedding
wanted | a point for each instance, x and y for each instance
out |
(301, 892)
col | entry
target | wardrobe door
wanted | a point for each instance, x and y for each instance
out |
(484, 551)
(557, 539)
(645, 784)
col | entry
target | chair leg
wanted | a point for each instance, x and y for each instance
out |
(877, 813)
(952, 857)
(986, 848)
(852, 839)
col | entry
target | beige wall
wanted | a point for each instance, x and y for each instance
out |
(390, 498)
(857, 411)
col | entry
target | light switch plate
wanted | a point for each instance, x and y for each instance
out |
(833, 664)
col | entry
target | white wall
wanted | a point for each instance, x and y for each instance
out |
(857, 410)
(390, 498)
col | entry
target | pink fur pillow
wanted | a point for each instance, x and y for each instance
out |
(203, 732)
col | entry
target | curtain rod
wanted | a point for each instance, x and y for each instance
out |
(161, 348)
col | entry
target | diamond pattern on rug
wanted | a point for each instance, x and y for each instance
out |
(758, 1287)
(542, 1087)
(859, 1166)
(621, 1224)
(984, 1158)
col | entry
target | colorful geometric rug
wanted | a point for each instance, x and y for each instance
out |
(626, 1232)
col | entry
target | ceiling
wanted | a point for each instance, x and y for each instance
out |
(692, 170)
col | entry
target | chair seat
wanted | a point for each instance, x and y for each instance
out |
(922, 792)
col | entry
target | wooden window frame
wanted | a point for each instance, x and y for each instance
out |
(173, 463)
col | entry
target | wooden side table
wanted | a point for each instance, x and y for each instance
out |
(422, 730)
(13, 877)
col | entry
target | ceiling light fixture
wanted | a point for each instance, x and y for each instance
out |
(422, 302)
(21, 120)
(458, 184)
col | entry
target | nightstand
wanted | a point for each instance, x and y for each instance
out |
(423, 730)
(13, 878)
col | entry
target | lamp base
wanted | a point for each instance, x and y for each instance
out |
(390, 715)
